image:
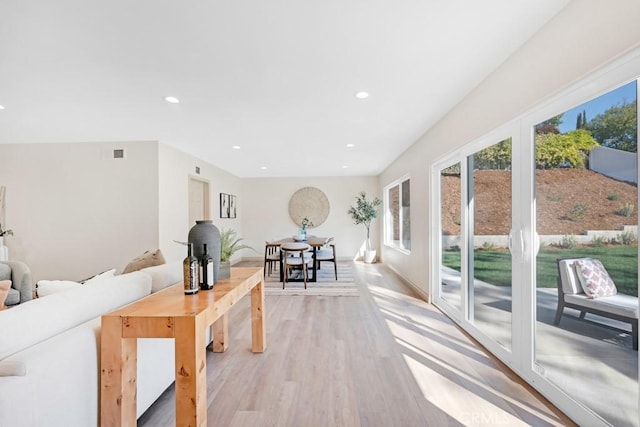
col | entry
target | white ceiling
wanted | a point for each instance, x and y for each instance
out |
(275, 77)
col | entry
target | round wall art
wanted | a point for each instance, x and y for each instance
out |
(309, 202)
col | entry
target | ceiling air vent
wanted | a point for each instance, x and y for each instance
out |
(118, 153)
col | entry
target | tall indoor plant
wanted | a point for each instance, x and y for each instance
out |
(364, 212)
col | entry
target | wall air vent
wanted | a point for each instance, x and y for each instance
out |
(198, 170)
(118, 153)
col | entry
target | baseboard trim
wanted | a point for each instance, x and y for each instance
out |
(406, 281)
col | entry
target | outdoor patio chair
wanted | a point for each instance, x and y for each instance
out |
(571, 294)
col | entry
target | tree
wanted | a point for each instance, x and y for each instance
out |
(497, 156)
(549, 126)
(563, 150)
(581, 120)
(617, 127)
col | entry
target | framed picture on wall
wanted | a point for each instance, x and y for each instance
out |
(224, 205)
(232, 206)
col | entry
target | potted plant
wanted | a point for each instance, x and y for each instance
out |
(363, 213)
(229, 245)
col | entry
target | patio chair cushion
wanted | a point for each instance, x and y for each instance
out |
(594, 278)
(619, 304)
(569, 278)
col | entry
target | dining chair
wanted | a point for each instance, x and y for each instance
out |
(271, 257)
(295, 255)
(327, 253)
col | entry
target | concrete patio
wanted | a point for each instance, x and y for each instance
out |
(590, 359)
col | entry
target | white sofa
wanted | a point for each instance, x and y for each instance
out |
(50, 351)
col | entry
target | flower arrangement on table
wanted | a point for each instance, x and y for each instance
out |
(302, 233)
(306, 222)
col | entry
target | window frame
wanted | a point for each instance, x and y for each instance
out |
(388, 216)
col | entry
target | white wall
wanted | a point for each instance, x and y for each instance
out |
(618, 164)
(175, 168)
(581, 38)
(75, 210)
(265, 211)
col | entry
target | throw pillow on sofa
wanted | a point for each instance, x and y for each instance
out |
(147, 259)
(4, 291)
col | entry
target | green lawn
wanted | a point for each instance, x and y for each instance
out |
(495, 266)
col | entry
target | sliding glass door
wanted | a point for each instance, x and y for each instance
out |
(489, 207)
(450, 237)
(515, 209)
(475, 220)
(586, 209)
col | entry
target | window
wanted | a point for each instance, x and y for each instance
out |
(397, 217)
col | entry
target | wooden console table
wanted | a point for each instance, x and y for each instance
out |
(172, 314)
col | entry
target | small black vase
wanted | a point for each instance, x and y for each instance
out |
(205, 232)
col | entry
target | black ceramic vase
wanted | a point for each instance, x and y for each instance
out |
(205, 232)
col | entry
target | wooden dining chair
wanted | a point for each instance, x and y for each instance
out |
(271, 257)
(295, 255)
(327, 253)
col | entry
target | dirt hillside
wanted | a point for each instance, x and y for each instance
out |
(569, 201)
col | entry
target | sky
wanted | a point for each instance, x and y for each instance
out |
(626, 93)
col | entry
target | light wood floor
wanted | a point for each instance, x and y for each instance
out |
(384, 358)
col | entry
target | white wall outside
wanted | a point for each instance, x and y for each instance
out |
(617, 164)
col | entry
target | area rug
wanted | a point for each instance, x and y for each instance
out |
(327, 285)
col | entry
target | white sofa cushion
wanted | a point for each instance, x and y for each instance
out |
(49, 287)
(39, 319)
(164, 275)
(101, 276)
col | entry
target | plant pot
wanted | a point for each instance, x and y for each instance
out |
(205, 232)
(370, 256)
(225, 270)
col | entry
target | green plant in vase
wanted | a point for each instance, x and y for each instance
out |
(363, 213)
(230, 244)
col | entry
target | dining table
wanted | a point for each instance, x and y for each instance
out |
(315, 242)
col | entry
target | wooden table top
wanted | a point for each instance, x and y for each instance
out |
(172, 301)
(311, 241)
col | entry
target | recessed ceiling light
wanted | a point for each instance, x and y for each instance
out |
(344, 166)
(236, 147)
(362, 95)
(172, 99)
(1, 107)
(264, 168)
(350, 145)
